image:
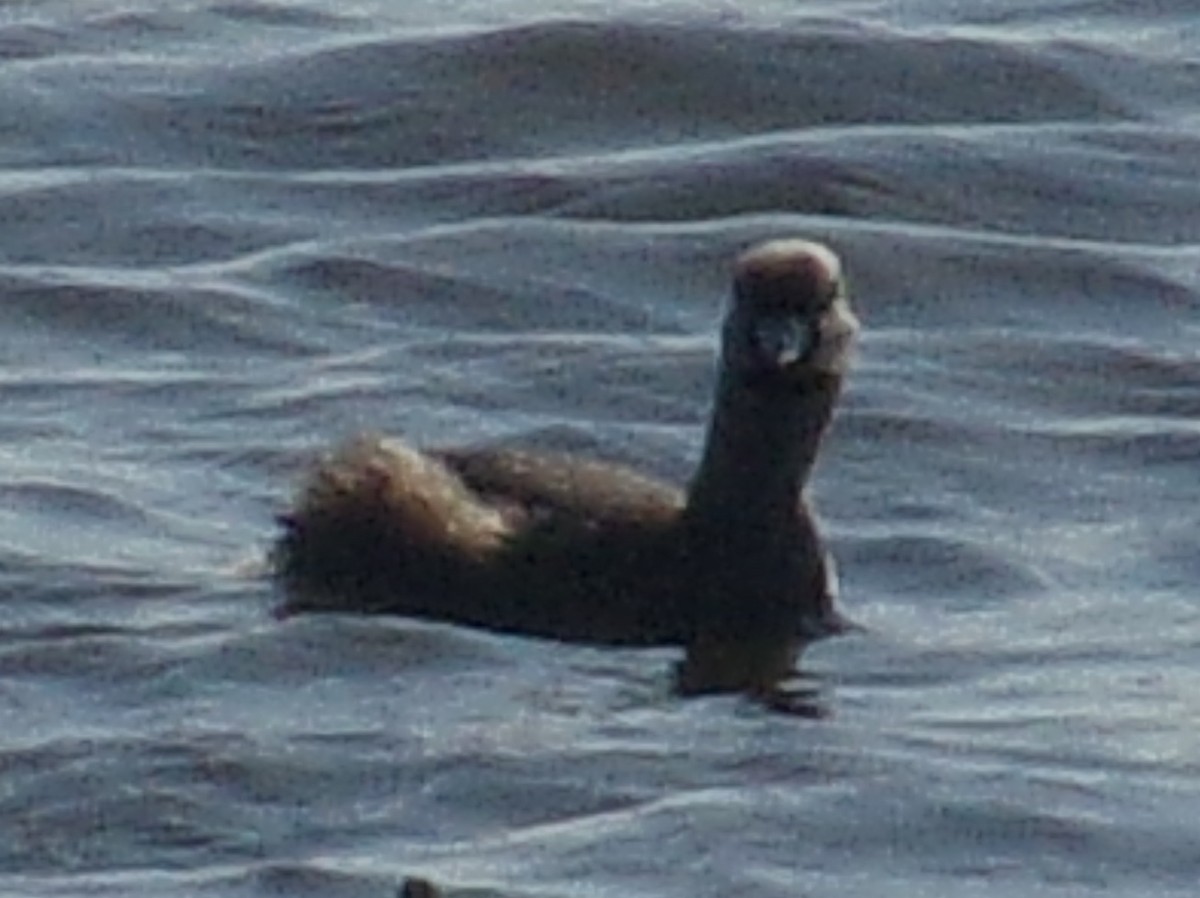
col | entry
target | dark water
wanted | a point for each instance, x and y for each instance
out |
(233, 233)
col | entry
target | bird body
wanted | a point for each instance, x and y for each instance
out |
(561, 547)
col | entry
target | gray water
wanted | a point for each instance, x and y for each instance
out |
(234, 233)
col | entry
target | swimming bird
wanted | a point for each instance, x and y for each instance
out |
(551, 545)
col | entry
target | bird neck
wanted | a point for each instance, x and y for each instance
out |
(761, 445)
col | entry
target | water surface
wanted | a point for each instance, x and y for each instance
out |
(235, 233)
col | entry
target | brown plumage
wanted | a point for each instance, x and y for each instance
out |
(561, 547)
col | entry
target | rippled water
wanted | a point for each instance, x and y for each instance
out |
(234, 232)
